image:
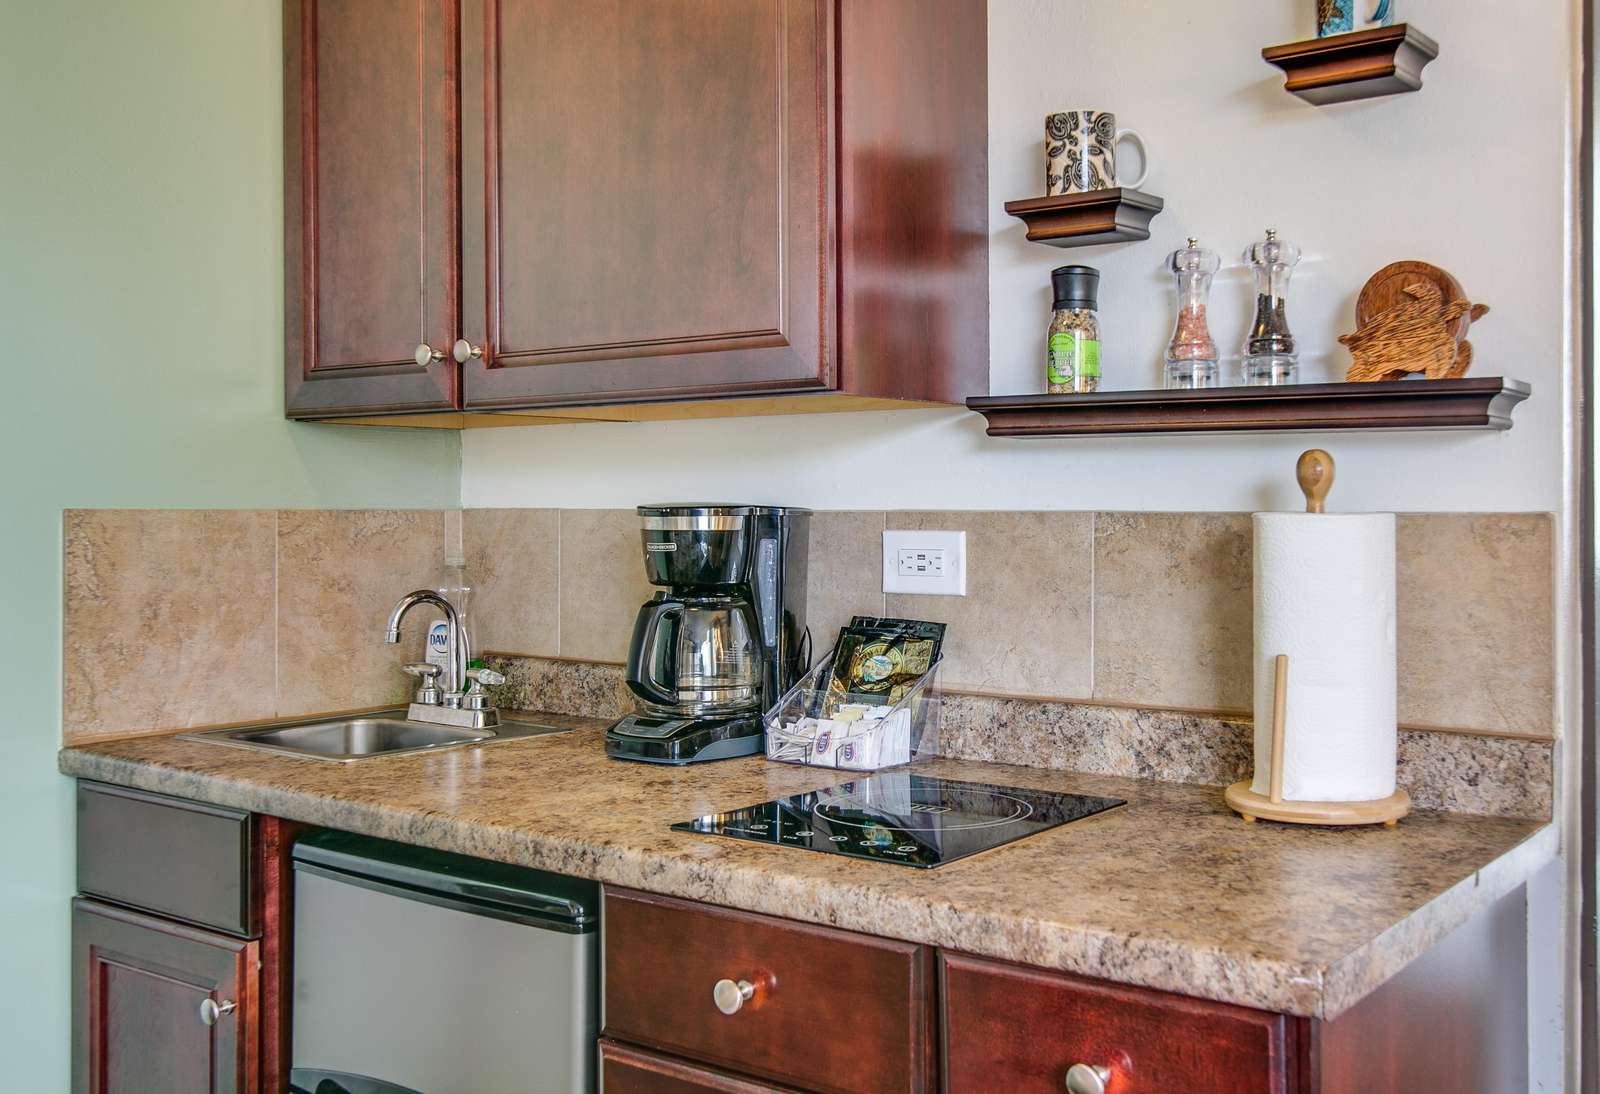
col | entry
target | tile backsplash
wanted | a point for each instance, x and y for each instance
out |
(1143, 609)
(170, 619)
(1148, 610)
(177, 618)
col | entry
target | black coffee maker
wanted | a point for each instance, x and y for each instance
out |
(725, 639)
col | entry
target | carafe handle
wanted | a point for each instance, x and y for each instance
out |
(641, 657)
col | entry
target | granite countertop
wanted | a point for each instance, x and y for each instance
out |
(1172, 891)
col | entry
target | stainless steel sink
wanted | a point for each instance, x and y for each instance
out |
(382, 733)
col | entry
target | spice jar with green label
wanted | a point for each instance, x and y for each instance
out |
(1072, 361)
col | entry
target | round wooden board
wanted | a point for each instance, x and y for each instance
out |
(1387, 287)
(1252, 806)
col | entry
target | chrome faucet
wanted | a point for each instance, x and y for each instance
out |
(455, 673)
(457, 704)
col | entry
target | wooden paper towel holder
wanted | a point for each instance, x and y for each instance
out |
(1315, 474)
(1272, 806)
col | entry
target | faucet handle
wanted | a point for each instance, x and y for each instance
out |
(476, 698)
(427, 675)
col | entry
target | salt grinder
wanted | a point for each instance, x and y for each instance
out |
(1192, 354)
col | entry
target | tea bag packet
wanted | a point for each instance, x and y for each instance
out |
(877, 661)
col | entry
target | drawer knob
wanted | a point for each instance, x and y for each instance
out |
(426, 355)
(1087, 1079)
(730, 996)
(211, 1010)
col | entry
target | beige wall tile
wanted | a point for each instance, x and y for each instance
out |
(168, 619)
(845, 573)
(1173, 609)
(340, 573)
(1024, 626)
(513, 562)
(602, 582)
(1476, 619)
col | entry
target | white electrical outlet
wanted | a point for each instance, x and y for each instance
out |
(929, 563)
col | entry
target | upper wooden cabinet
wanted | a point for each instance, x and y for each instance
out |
(372, 205)
(612, 202)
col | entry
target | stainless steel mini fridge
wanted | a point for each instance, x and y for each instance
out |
(420, 971)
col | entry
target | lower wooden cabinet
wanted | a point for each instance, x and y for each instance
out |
(1018, 1030)
(706, 999)
(140, 976)
(628, 1070)
(812, 1007)
(161, 1007)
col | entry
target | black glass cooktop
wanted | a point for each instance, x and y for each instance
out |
(895, 816)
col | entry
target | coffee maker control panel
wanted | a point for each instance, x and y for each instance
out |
(643, 726)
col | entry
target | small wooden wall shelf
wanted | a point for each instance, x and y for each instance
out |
(1361, 65)
(1470, 403)
(1118, 215)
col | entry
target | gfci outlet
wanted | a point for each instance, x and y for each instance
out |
(929, 563)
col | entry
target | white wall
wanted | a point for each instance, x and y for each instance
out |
(1470, 174)
(1475, 174)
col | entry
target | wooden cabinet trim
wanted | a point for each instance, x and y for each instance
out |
(277, 948)
(911, 148)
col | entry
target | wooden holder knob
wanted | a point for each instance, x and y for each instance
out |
(1315, 474)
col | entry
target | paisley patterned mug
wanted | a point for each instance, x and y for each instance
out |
(1080, 152)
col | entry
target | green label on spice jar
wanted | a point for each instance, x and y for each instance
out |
(1071, 356)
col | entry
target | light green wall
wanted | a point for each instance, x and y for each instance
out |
(141, 339)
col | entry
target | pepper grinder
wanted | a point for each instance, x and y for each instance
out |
(1269, 354)
(1192, 353)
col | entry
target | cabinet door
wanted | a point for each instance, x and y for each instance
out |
(656, 216)
(372, 209)
(139, 984)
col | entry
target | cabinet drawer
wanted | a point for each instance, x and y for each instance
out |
(627, 1070)
(827, 1010)
(178, 858)
(1016, 1030)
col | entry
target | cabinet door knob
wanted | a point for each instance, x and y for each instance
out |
(211, 1010)
(730, 996)
(1087, 1079)
(465, 351)
(426, 355)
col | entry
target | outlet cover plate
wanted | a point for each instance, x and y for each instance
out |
(925, 563)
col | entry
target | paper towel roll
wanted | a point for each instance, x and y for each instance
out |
(1324, 588)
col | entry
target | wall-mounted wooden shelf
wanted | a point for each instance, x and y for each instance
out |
(1470, 403)
(1361, 65)
(1118, 215)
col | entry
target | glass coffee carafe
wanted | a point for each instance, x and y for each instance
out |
(693, 656)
